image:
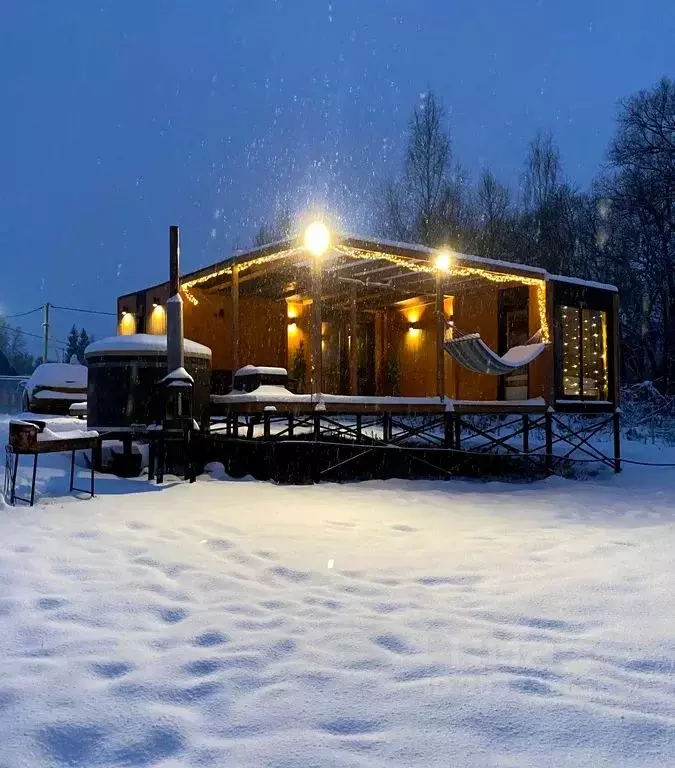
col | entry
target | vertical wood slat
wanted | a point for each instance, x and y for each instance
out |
(316, 327)
(440, 333)
(353, 346)
(235, 320)
(615, 386)
(553, 372)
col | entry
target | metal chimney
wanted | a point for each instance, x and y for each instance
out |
(174, 306)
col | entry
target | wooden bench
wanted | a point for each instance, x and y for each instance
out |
(32, 438)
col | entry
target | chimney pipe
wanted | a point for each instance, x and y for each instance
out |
(174, 306)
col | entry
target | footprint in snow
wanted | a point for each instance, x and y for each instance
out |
(111, 669)
(172, 615)
(210, 639)
(49, 603)
(395, 644)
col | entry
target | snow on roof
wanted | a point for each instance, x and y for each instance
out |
(261, 370)
(142, 344)
(64, 375)
(585, 283)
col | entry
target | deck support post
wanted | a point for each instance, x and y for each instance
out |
(448, 441)
(548, 426)
(386, 427)
(440, 338)
(526, 433)
(616, 418)
(317, 426)
(353, 346)
(457, 418)
(266, 425)
(359, 423)
(316, 326)
(235, 321)
(290, 425)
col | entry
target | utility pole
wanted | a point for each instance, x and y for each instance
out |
(45, 325)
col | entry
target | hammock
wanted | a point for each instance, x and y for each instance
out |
(473, 353)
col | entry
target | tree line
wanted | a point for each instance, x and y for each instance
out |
(620, 230)
(17, 361)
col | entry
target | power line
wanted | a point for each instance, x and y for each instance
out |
(86, 311)
(36, 336)
(23, 314)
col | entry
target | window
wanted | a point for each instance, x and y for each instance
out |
(584, 353)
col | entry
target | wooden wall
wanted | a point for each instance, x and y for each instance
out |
(541, 370)
(262, 329)
(267, 339)
(477, 313)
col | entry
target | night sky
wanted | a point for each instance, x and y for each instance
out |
(121, 118)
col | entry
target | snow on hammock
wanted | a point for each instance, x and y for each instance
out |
(473, 353)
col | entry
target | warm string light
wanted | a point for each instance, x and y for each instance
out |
(588, 345)
(415, 265)
(188, 284)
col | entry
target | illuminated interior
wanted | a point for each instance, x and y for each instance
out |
(584, 353)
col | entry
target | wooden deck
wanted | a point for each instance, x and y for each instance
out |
(222, 405)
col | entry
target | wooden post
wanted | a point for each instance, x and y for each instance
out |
(235, 321)
(45, 325)
(617, 440)
(458, 430)
(448, 441)
(358, 427)
(440, 338)
(526, 433)
(353, 346)
(552, 351)
(316, 326)
(548, 419)
(614, 384)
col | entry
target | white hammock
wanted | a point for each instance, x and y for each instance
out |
(473, 353)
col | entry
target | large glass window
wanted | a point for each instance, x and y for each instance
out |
(584, 353)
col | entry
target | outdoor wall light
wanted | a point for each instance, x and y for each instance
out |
(414, 327)
(125, 311)
(155, 302)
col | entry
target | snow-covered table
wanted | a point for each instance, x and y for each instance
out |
(32, 438)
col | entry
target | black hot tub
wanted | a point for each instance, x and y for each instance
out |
(123, 382)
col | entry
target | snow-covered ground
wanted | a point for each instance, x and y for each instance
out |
(234, 623)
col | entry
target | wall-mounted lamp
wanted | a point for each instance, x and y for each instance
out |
(414, 327)
(125, 311)
(292, 325)
(155, 302)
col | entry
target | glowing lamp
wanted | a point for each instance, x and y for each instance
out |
(155, 302)
(443, 261)
(292, 325)
(414, 327)
(317, 238)
(125, 311)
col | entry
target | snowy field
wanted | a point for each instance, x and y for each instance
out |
(405, 624)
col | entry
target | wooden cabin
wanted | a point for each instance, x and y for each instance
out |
(367, 317)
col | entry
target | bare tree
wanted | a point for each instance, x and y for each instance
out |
(642, 190)
(426, 168)
(414, 207)
(280, 229)
(492, 211)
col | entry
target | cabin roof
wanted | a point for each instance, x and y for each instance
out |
(397, 260)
